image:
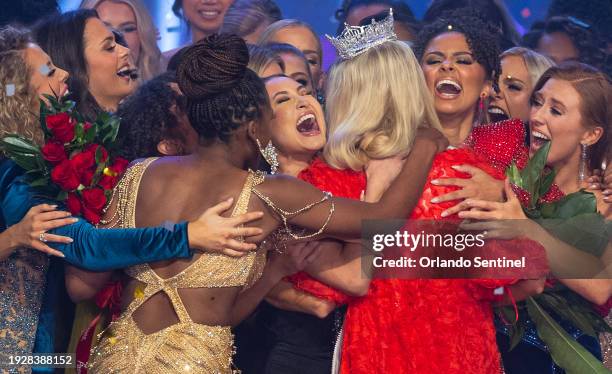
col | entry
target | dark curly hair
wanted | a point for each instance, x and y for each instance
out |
(587, 41)
(221, 92)
(147, 119)
(492, 11)
(481, 37)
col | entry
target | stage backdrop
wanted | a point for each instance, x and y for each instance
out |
(319, 13)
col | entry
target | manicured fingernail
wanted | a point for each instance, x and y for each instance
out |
(456, 167)
(62, 255)
(230, 199)
(460, 214)
(53, 206)
(435, 200)
(444, 214)
(593, 186)
(70, 240)
(74, 220)
(435, 182)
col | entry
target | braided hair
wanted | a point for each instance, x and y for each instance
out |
(221, 92)
(481, 37)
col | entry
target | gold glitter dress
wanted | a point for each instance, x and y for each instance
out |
(185, 346)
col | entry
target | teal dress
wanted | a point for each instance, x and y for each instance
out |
(26, 277)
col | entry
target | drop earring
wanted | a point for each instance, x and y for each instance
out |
(583, 162)
(269, 154)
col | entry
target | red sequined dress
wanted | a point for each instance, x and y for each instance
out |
(424, 326)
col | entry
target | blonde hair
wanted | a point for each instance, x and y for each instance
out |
(149, 60)
(536, 63)
(244, 16)
(267, 37)
(16, 93)
(375, 103)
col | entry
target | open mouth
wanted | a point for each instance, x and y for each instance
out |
(127, 72)
(209, 14)
(497, 114)
(448, 88)
(538, 139)
(307, 125)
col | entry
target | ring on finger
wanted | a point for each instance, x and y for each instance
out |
(42, 237)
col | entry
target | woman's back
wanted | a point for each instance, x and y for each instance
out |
(208, 297)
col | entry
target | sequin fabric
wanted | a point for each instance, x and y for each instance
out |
(22, 285)
(185, 346)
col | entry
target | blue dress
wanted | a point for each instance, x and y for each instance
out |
(25, 279)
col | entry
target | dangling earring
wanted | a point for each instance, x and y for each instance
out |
(481, 115)
(583, 162)
(269, 154)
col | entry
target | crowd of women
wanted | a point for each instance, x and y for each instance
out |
(235, 234)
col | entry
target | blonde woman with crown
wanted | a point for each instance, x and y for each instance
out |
(377, 99)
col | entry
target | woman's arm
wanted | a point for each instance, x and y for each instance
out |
(342, 266)
(27, 233)
(83, 284)
(345, 222)
(105, 249)
(277, 267)
(285, 296)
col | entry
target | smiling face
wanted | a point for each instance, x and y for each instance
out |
(555, 117)
(515, 87)
(302, 39)
(46, 78)
(454, 77)
(205, 16)
(121, 17)
(107, 63)
(298, 124)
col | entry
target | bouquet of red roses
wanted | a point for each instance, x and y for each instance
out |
(76, 164)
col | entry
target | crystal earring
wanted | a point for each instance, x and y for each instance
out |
(583, 162)
(269, 154)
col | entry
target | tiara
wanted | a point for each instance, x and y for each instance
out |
(355, 40)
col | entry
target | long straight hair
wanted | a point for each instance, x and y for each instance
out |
(149, 60)
(61, 36)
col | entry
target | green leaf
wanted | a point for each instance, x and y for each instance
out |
(40, 182)
(547, 181)
(564, 350)
(571, 205)
(514, 174)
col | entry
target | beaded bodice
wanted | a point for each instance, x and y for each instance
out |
(209, 270)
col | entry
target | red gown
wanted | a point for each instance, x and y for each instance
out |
(423, 326)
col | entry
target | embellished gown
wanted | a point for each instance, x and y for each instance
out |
(429, 326)
(185, 346)
(29, 286)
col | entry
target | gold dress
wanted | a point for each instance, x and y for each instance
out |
(185, 346)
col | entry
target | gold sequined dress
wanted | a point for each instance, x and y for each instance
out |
(185, 346)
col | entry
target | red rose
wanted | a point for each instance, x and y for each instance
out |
(92, 216)
(87, 126)
(120, 165)
(61, 126)
(83, 161)
(74, 204)
(92, 149)
(107, 182)
(86, 176)
(65, 176)
(54, 152)
(94, 198)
